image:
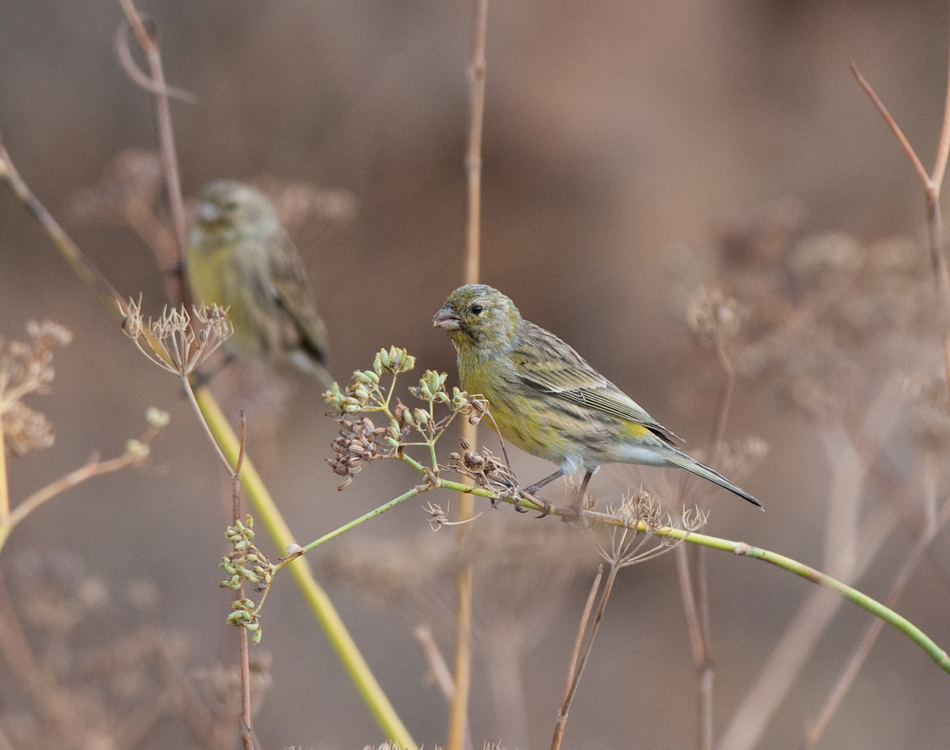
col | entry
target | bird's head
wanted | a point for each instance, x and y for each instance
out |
(231, 205)
(479, 319)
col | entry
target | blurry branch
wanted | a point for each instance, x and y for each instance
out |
(323, 609)
(135, 454)
(816, 728)
(441, 674)
(570, 685)
(52, 700)
(458, 710)
(25, 369)
(697, 624)
(717, 319)
(67, 248)
(172, 266)
(932, 184)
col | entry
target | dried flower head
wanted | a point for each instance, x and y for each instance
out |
(642, 517)
(27, 368)
(173, 342)
(357, 443)
(485, 469)
(715, 317)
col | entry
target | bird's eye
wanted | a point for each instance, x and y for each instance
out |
(477, 309)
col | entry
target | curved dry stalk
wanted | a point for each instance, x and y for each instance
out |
(172, 267)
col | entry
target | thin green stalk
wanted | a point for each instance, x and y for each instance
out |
(316, 597)
(742, 548)
(816, 576)
(372, 514)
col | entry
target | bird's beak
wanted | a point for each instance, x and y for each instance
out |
(447, 318)
(208, 213)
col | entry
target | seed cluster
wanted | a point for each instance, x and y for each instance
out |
(357, 443)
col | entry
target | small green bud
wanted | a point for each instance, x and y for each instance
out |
(137, 449)
(156, 417)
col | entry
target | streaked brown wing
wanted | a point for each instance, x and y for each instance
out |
(294, 296)
(549, 365)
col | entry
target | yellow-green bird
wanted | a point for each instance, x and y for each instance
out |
(547, 400)
(241, 258)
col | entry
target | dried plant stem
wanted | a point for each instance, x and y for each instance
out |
(570, 684)
(320, 604)
(833, 700)
(848, 550)
(458, 712)
(440, 670)
(176, 289)
(53, 703)
(182, 694)
(725, 401)
(697, 608)
(932, 184)
(92, 469)
(245, 728)
(67, 248)
(698, 629)
(473, 160)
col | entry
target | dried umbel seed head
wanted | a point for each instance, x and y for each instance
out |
(27, 368)
(357, 443)
(173, 341)
(825, 260)
(486, 470)
(714, 316)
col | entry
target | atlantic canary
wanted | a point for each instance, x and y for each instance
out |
(547, 400)
(241, 258)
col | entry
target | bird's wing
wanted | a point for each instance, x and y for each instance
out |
(292, 293)
(547, 364)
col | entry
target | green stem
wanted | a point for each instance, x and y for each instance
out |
(372, 514)
(320, 603)
(781, 561)
(825, 581)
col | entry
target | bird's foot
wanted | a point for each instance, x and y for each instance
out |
(539, 501)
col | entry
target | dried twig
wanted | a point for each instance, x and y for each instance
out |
(458, 714)
(570, 684)
(172, 267)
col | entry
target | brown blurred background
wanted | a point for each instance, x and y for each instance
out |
(615, 132)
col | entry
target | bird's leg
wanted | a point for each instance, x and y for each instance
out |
(577, 502)
(547, 480)
(529, 491)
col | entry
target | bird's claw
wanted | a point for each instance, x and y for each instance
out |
(546, 507)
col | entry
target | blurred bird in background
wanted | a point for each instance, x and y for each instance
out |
(241, 258)
(547, 400)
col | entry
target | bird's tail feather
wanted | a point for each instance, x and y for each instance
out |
(682, 461)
